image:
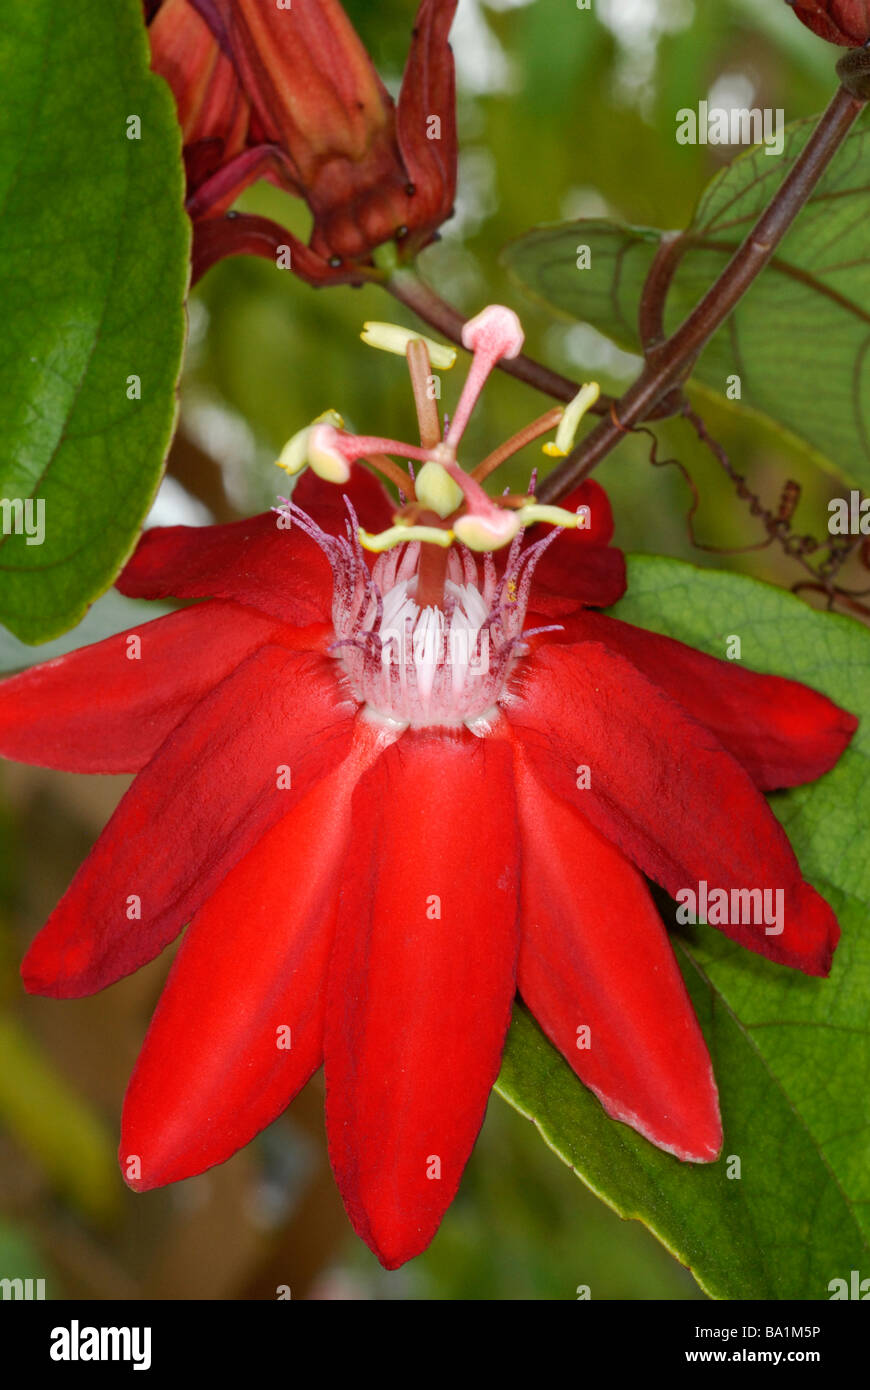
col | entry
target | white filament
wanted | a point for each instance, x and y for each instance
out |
(430, 639)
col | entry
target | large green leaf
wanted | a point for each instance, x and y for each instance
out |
(791, 1054)
(800, 338)
(94, 247)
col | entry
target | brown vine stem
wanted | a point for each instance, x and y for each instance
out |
(650, 322)
(672, 360)
(414, 293)
(657, 390)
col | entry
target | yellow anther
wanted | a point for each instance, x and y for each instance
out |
(391, 338)
(294, 456)
(324, 457)
(569, 424)
(402, 535)
(437, 491)
(484, 533)
(554, 516)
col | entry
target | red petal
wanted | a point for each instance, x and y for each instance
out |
(846, 22)
(210, 101)
(202, 803)
(594, 953)
(96, 710)
(243, 234)
(581, 568)
(783, 733)
(325, 501)
(215, 193)
(308, 78)
(418, 1004)
(281, 572)
(253, 964)
(665, 791)
(429, 89)
(600, 530)
(210, 10)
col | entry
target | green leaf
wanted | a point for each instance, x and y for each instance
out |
(798, 339)
(790, 1054)
(94, 246)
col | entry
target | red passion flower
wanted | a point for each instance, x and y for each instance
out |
(392, 768)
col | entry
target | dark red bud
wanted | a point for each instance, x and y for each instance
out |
(846, 22)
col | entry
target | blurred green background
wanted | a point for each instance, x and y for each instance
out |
(563, 113)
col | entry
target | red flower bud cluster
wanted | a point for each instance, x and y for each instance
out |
(289, 94)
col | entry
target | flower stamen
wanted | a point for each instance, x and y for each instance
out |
(570, 423)
(443, 491)
(390, 337)
(532, 431)
(401, 535)
(420, 370)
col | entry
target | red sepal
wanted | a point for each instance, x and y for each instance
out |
(205, 799)
(239, 1026)
(421, 981)
(665, 791)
